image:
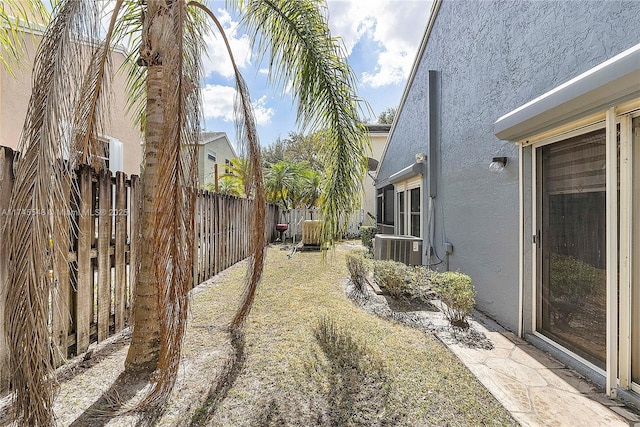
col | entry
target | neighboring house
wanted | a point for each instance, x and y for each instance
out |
(123, 139)
(552, 238)
(378, 137)
(214, 149)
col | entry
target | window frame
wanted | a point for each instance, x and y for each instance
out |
(404, 223)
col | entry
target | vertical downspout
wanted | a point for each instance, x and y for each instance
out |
(430, 178)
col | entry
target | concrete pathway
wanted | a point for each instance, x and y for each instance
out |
(535, 388)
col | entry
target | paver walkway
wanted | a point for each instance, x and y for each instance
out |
(534, 387)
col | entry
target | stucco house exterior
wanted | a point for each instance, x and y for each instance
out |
(214, 149)
(514, 158)
(122, 139)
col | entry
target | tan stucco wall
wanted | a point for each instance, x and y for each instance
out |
(378, 141)
(14, 100)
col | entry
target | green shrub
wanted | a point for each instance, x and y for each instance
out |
(367, 234)
(401, 280)
(457, 293)
(357, 266)
(392, 276)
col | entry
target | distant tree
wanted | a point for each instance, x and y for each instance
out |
(387, 116)
(293, 185)
(296, 148)
(273, 153)
(230, 185)
(240, 172)
(311, 188)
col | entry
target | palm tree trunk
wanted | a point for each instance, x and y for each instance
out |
(145, 342)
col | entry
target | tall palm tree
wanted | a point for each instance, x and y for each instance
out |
(169, 37)
(239, 172)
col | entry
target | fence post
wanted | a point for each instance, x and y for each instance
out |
(6, 184)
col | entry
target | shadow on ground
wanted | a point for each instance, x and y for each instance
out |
(224, 381)
(112, 401)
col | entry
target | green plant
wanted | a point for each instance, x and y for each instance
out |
(357, 266)
(367, 234)
(458, 295)
(392, 276)
(401, 280)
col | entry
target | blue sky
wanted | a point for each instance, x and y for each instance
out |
(380, 37)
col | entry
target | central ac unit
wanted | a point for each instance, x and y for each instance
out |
(405, 249)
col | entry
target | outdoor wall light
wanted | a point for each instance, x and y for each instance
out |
(497, 164)
(421, 157)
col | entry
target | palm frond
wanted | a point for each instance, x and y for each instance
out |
(304, 57)
(17, 19)
(247, 135)
(41, 188)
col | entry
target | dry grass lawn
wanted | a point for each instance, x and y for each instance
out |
(309, 357)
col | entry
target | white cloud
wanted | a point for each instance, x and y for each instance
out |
(218, 104)
(396, 26)
(217, 58)
(262, 112)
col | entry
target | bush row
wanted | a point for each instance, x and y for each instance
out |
(454, 289)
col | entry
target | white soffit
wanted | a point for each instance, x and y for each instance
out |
(612, 82)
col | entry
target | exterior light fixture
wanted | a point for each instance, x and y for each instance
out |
(421, 157)
(497, 164)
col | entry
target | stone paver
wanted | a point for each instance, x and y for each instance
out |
(534, 387)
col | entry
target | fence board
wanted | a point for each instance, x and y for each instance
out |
(120, 283)
(61, 298)
(104, 260)
(84, 293)
(6, 184)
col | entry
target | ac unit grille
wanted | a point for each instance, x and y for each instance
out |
(405, 249)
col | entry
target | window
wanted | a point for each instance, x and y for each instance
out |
(211, 155)
(227, 163)
(385, 205)
(409, 200)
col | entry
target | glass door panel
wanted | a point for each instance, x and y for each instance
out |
(635, 266)
(402, 209)
(415, 204)
(572, 256)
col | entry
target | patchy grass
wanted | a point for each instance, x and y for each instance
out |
(307, 357)
(310, 357)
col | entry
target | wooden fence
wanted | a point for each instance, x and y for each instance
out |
(294, 218)
(222, 227)
(94, 285)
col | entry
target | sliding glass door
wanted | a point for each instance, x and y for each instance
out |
(571, 199)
